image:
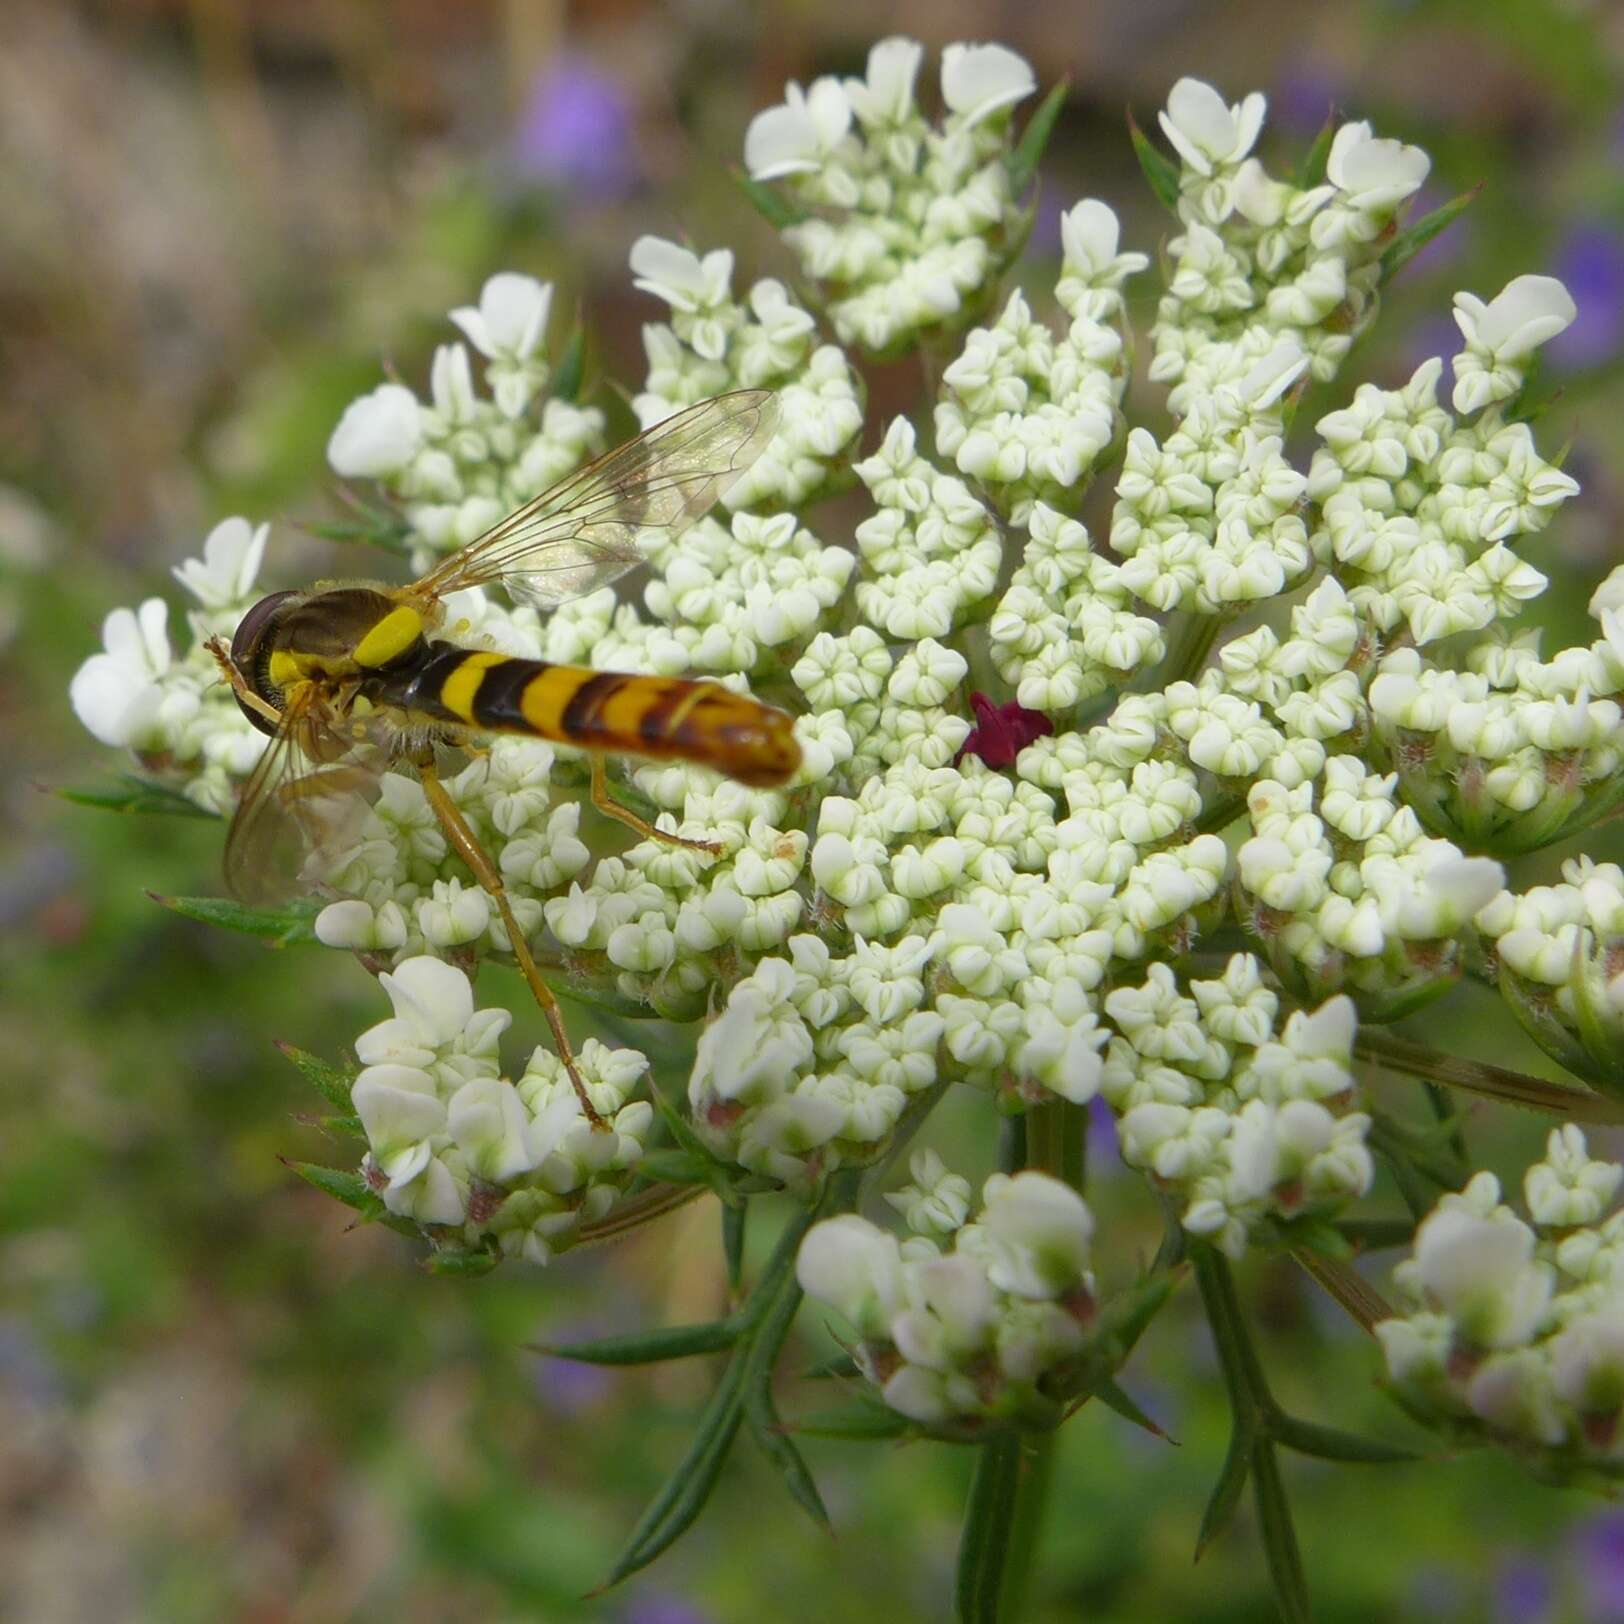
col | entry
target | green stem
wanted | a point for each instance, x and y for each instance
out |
(1191, 635)
(1055, 1140)
(1480, 1077)
(1256, 1419)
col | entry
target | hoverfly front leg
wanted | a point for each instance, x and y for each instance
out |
(612, 808)
(466, 845)
(238, 682)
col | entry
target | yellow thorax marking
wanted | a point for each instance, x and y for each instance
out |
(392, 636)
(458, 690)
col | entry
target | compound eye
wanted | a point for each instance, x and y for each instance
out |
(245, 647)
(252, 627)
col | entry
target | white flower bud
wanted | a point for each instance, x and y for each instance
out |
(1039, 1232)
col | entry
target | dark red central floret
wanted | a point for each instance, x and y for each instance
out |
(1002, 731)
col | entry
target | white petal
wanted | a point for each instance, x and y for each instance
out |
(979, 80)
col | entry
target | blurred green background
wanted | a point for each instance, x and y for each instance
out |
(216, 1400)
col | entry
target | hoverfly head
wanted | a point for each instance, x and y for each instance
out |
(251, 654)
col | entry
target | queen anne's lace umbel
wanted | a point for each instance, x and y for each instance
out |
(1012, 892)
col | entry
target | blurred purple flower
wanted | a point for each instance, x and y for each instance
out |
(1304, 97)
(576, 131)
(566, 1387)
(1437, 335)
(1601, 1561)
(1523, 1592)
(1103, 1150)
(661, 1608)
(1590, 262)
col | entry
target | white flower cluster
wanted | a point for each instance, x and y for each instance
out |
(1261, 264)
(1560, 953)
(1210, 520)
(457, 1147)
(459, 463)
(714, 343)
(405, 893)
(970, 1334)
(1512, 751)
(175, 715)
(1247, 1128)
(1345, 888)
(812, 1062)
(745, 597)
(1515, 1329)
(1026, 414)
(1064, 631)
(907, 226)
(959, 887)
(931, 552)
(1417, 512)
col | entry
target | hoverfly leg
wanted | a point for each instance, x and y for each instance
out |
(611, 808)
(238, 682)
(466, 844)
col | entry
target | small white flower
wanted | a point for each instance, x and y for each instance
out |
(937, 1201)
(798, 136)
(1568, 1188)
(117, 694)
(1039, 1230)
(1204, 131)
(1481, 1269)
(980, 80)
(510, 319)
(886, 95)
(452, 914)
(1375, 174)
(355, 924)
(377, 435)
(854, 1267)
(224, 577)
(754, 1048)
(1527, 312)
(679, 276)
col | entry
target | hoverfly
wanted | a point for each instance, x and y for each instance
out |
(348, 681)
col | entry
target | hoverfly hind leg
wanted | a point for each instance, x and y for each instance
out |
(466, 844)
(611, 808)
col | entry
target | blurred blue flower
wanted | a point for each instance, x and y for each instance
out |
(1591, 263)
(1523, 1592)
(576, 131)
(1601, 1562)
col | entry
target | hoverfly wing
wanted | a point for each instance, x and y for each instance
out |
(303, 806)
(582, 533)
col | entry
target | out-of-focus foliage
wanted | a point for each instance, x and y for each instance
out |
(216, 1401)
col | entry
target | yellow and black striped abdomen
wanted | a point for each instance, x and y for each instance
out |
(666, 718)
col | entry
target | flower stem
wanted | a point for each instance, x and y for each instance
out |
(1050, 1139)
(1190, 636)
(1480, 1077)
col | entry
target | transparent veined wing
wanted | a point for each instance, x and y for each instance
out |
(581, 533)
(304, 803)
